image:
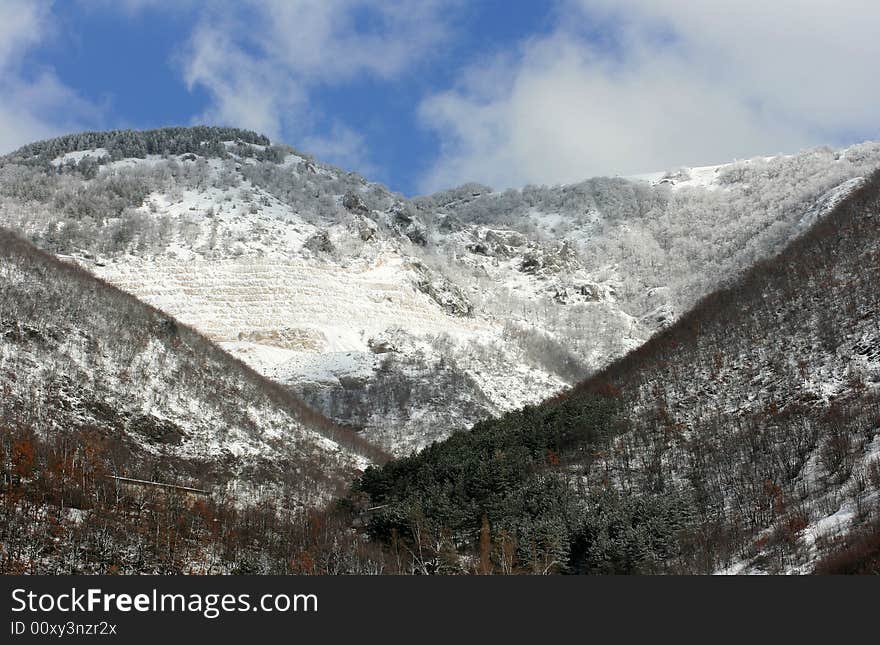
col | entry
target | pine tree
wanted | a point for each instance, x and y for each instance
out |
(485, 547)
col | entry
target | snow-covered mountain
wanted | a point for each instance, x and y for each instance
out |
(407, 319)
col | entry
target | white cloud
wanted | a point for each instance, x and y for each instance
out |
(21, 23)
(261, 61)
(137, 6)
(679, 83)
(245, 91)
(39, 108)
(37, 105)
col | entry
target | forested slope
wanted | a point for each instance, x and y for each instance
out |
(746, 437)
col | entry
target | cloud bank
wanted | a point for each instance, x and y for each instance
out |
(629, 86)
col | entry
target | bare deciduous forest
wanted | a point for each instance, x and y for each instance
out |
(94, 384)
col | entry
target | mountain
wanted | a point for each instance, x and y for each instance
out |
(744, 438)
(675, 372)
(406, 319)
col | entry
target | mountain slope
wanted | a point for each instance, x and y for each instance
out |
(766, 398)
(743, 438)
(390, 314)
(79, 356)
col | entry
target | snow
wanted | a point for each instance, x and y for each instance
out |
(246, 276)
(828, 201)
(697, 177)
(79, 155)
(328, 366)
(705, 177)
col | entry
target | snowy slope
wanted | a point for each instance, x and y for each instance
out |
(80, 358)
(763, 402)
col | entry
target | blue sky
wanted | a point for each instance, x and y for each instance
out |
(426, 95)
(128, 63)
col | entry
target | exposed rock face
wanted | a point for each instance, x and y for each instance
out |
(380, 399)
(661, 317)
(588, 291)
(366, 229)
(443, 292)
(319, 243)
(530, 264)
(403, 220)
(380, 346)
(286, 338)
(354, 203)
